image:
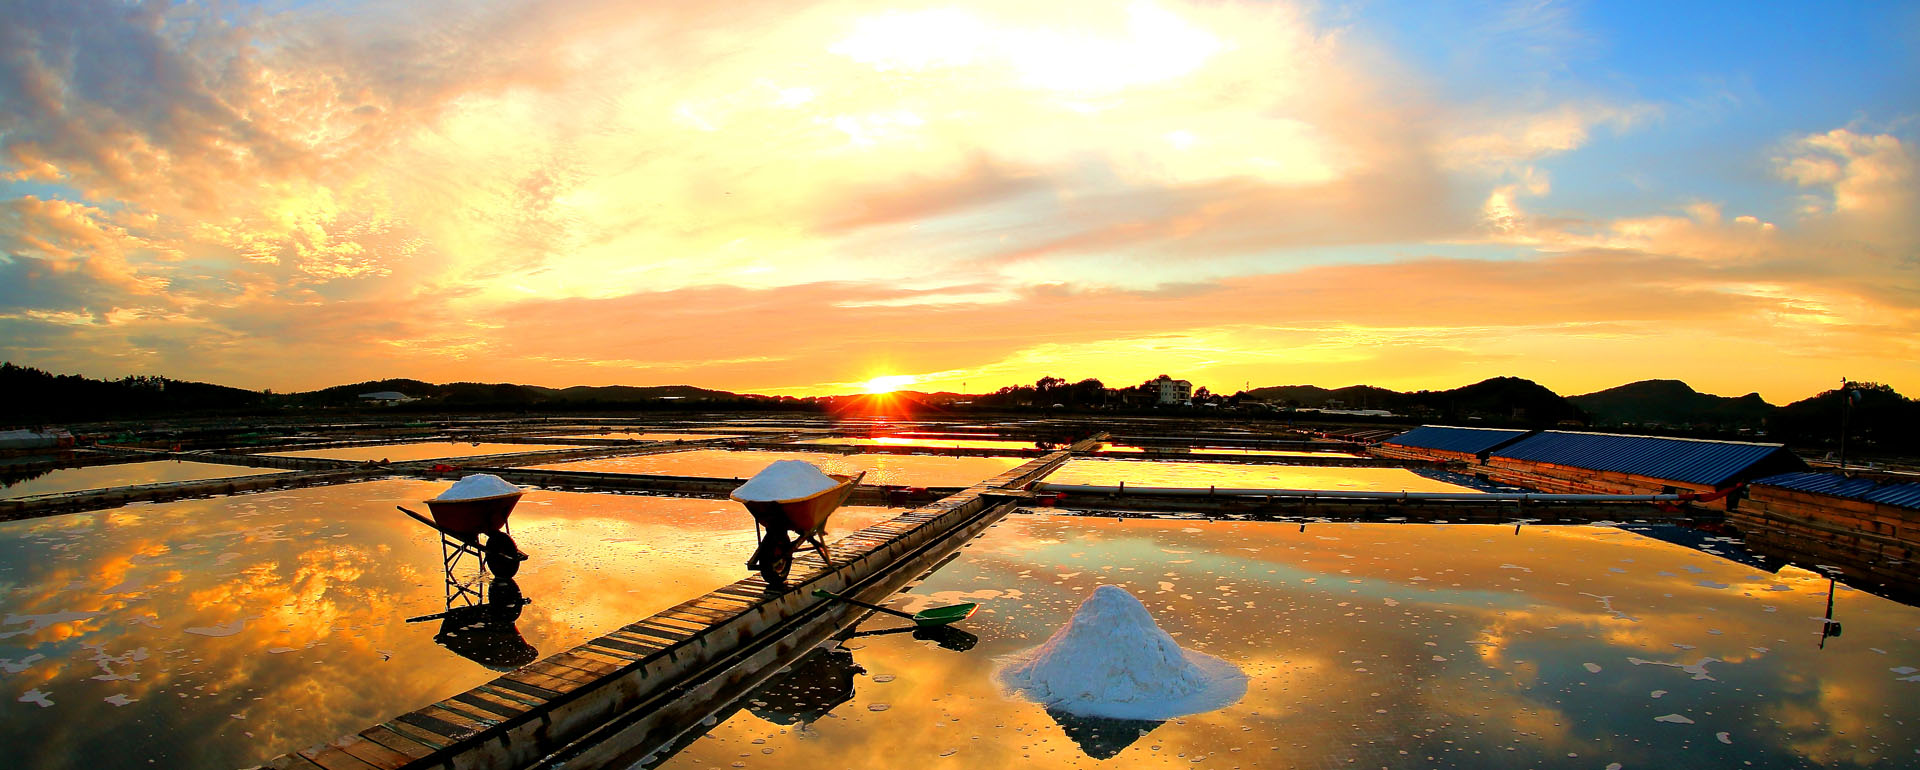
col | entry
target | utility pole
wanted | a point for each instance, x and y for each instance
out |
(1846, 411)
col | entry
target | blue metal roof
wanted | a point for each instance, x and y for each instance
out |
(1905, 494)
(1714, 463)
(1451, 439)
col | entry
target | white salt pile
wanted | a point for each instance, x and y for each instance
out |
(478, 486)
(1112, 660)
(785, 480)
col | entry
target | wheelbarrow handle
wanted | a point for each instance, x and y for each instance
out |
(825, 594)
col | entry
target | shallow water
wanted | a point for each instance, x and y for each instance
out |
(126, 474)
(420, 451)
(1376, 645)
(234, 629)
(1116, 449)
(900, 441)
(1144, 473)
(649, 436)
(910, 470)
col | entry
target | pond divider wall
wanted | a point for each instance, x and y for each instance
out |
(1293, 509)
(114, 497)
(621, 696)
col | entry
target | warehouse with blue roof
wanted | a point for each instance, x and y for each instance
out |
(1596, 463)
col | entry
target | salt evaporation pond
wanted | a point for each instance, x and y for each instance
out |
(899, 441)
(418, 451)
(125, 474)
(1380, 645)
(1139, 473)
(221, 632)
(630, 436)
(1115, 449)
(910, 470)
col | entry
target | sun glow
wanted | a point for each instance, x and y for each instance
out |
(888, 383)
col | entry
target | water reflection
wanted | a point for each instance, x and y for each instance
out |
(1138, 473)
(124, 474)
(959, 443)
(630, 436)
(808, 689)
(486, 633)
(1102, 737)
(911, 470)
(1390, 645)
(435, 450)
(221, 632)
(944, 637)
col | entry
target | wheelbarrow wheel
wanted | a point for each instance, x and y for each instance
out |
(774, 568)
(503, 556)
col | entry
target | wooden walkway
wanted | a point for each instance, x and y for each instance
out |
(618, 696)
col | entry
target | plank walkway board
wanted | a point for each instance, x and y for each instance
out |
(478, 700)
(433, 741)
(440, 727)
(371, 753)
(332, 758)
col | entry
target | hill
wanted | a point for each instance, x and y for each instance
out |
(1658, 403)
(35, 396)
(1881, 420)
(1500, 399)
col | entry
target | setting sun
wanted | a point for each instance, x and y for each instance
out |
(888, 383)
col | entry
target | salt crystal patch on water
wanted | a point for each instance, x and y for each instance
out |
(119, 699)
(879, 706)
(279, 650)
(37, 622)
(36, 696)
(477, 486)
(1592, 668)
(12, 666)
(1674, 719)
(1903, 670)
(1112, 660)
(1726, 738)
(785, 480)
(1658, 693)
(228, 628)
(1614, 766)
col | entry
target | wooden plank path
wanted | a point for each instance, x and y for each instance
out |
(614, 698)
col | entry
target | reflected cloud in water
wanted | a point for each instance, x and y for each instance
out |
(224, 631)
(1459, 645)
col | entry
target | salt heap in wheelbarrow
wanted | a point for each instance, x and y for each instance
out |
(785, 480)
(476, 504)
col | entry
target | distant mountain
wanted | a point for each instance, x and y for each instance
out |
(1673, 403)
(35, 396)
(1314, 396)
(1501, 399)
(507, 395)
(1880, 419)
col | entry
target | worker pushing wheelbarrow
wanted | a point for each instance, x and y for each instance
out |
(791, 496)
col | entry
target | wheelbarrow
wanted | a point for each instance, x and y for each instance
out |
(804, 517)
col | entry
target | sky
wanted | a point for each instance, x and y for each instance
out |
(797, 198)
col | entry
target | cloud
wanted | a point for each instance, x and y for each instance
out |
(609, 192)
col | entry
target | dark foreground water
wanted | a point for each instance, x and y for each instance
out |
(219, 633)
(1369, 646)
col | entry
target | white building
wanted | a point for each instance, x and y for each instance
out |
(387, 398)
(1174, 392)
